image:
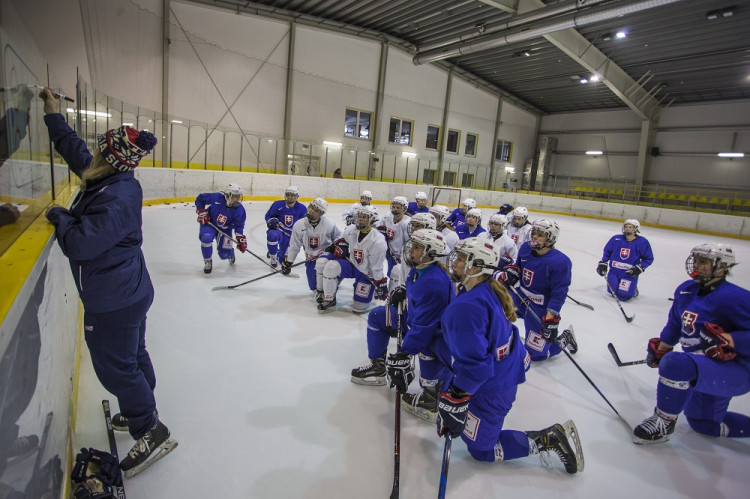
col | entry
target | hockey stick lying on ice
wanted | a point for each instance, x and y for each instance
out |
(215, 288)
(528, 307)
(580, 302)
(614, 295)
(248, 250)
(619, 363)
(397, 421)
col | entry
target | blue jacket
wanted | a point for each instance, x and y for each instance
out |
(101, 233)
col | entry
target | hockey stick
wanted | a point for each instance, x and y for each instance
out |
(580, 302)
(444, 469)
(119, 488)
(248, 250)
(619, 363)
(574, 362)
(397, 422)
(216, 288)
(614, 295)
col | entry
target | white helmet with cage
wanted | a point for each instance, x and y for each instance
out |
(476, 213)
(549, 228)
(233, 194)
(719, 253)
(420, 196)
(431, 240)
(421, 221)
(496, 224)
(479, 252)
(469, 204)
(291, 190)
(635, 223)
(319, 204)
(440, 213)
(367, 216)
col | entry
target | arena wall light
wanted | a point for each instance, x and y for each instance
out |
(594, 153)
(409, 154)
(731, 154)
(332, 144)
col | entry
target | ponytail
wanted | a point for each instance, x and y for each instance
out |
(509, 308)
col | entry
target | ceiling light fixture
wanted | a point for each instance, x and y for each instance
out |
(584, 80)
(594, 153)
(731, 154)
(332, 144)
(594, 78)
(620, 35)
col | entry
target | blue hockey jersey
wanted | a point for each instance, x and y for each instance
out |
(221, 215)
(456, 218)
(462, 231)
(623, 254)
(544, 279)
(286, 216)
(428, 292)
(414, 208)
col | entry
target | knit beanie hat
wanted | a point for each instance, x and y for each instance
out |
(124, 147)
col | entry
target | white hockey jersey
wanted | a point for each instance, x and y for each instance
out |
(368, 255)
(397, 234)
(314, 240)
(519, 235)
(508, 248)
(352, 212)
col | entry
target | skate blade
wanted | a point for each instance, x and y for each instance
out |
(293, 276)
(571, 432)
(371, 381)
(327, 311)
(422, 414)
(640, 441)
(164, 449)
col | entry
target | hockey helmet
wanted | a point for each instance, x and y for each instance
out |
(496, 224)
(421, 221)
(547, 227)
(367, 215)
(420, 196)
(718, 253)
(366, 196)
(232, 194)
(476, 252)
(440, 213)
(476, 213)
(432, 241)
(522, 213)
(400, 201)
(505, 209)
(635, 223)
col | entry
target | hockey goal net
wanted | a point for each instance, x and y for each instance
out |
(446, 196)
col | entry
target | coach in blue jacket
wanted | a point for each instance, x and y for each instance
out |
(101, 236)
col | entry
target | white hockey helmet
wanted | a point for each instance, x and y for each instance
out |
(469, 204)
(319, 204)
(719, 253)
(292, 190)
(547, 227)
(366, 195)
(420, 196)
(496, 224)
(476, 213)
(479, 252)
(635, 223)
(400, 200)
(421, 221)
(232, 194)
(431, 240)
(520, 212)
(367, 216)
(440, 213)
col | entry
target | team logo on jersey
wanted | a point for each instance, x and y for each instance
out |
(313, 242)
(528, 277)
(624, 253)
(390, 234)
(688, 322)
(535, 341)
(221, 220)
(514, 237)
(359, 255)
(288, 220)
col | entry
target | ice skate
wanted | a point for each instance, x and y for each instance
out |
(557, 438)
(567, 340)
(208, 265)
(327, 306)
(319, 296)
(231, 259)
(422, 404)
(274, 262)
(148, 449)
(372, 374)
(654, 429)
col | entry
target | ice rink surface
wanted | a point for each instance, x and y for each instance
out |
(254, 384)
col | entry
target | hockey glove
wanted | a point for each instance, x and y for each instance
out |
(715, 344)
(286, 267)
(400, 370)
(398, 295)
(349, 219)
(601, 269)
(341, 249)
(509, 275)
(505, 260)
(53, 214)
(381, 289)
(453, 407)
(634, 271)
(654, 353)
(549, 328)
(203, 217)
(241, 242)
(272, 223)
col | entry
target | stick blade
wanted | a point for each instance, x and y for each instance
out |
(613, 352)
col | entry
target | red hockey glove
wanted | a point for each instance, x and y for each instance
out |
(654, 353)
(203, 218)
(241, 243)
(453, 407)
(509, 275)
(714, 344)
(341, 249)
(381, 289)
(549, 328)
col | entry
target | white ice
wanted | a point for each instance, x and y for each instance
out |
(254, 384)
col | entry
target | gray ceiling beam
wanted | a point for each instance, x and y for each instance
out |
(510, 6)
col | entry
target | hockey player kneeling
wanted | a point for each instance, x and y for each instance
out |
(358, 254)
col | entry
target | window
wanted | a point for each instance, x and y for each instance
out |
(467, 180)
(357, 123)
(399, 131)
(503, 151)
(470, 149)
(433, 138)
(451, 143)
(428, 177)
(449, 178)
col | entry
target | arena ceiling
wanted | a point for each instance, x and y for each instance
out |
(556, 56)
